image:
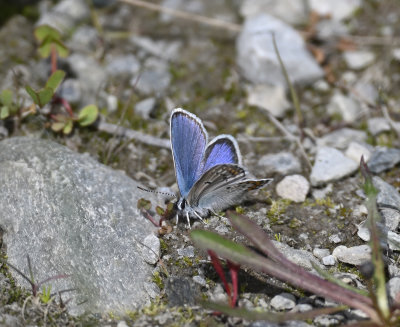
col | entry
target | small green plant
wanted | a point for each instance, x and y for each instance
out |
(44, 95)
(45, 296)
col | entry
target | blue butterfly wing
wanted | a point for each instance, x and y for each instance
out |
(188, 140)
(221, 150)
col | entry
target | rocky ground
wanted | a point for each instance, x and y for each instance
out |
(137, 65)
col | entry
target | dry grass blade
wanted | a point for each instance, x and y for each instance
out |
(185, 15)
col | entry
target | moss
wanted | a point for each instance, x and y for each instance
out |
(157, 279)
(294, 223)
(187, 261)
(277, 209)
(154, 307)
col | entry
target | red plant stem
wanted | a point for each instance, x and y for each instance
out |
(218, 268)
(53, 57)
(67, 106)
(234, 269)
(149, 217)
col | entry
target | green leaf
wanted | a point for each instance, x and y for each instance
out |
(68, 127)
(6, 97)
(160, 211)
(254, 315)
(5, 112)
(55, 80)
(61, 49)
(88, 115)
(33, 94)
(45, 31)
(45, 96)
(144, 204)
(58, 126)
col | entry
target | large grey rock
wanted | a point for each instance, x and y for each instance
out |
(294, 188)
(74, 216)
(290, 11)
(355, 255)
(346, 106)
(257, 59)
(331, 165)
(283, 163)
(383, 159)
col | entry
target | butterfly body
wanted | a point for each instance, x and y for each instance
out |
(210, 176)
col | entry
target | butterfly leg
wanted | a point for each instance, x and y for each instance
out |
(188, 219)
(198, 216)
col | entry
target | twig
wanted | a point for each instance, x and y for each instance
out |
(133, 135)
(185, 15)
(374, 40)
(290, 137)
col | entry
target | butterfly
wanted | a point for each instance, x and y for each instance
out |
(210, 176)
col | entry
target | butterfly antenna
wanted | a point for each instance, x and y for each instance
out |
(157, 192)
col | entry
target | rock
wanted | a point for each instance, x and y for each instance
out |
(393, 240)
(155, 78)
(145, 107)
(358, 59)
(200, 280)
(383, 159)
(300, 257)
(331, 165)
(257, 59)
(294, 188)
(393, 289)
(342, 138)
(167, 50)
(396, 54)
(65, 15)
(320, 253)
(69, 225)
(302, 307)
(84, 38)
(335, 238)
(71, 91)
(112, 103)
(323, 192)
(292, 12)
(337, 10)
(388, 200)
(321, 86)
(329, 260)
(355, 255)
(181, 291)
(151, 249)
(122, 323)
(283, 301)
(366, 91)
(347, 107)
(186, 252)
(122, 65)
(91, 75)
(283, 163)
(377, 125)
(328, 320)
(328, 29)
(363, 232)
(356, 150)
(394, 270)
(269, 97)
